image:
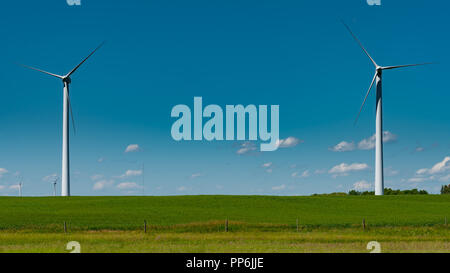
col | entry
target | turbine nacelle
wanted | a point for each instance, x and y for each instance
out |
(67, 80)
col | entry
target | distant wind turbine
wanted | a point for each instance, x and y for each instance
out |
(65, 177)
(54, 185)
(20, 185)
(379, 180)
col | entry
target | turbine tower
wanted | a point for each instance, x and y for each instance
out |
(379, 179)
(65, 177)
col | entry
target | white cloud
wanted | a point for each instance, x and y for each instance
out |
(362, 185)
(3, 171)
(343, 169)
(182, 188)
(2, 187)
(304, 174)
(439, 167)
(128, 186)
(100, 160)
(102, 184)
(343, 146)
(422, 171)
(320, 171)
(50, 177)
(132, 148)
(195, 175)
(419, 149)
(14, 187)
(442, 166)
(420, 179)
(130, 173)
(288, 142)
(246, 147)
(365, 144)
(267, 166)
(369, 143)
(437, 172)
(389, 137)
(96, 177)
(279, 188)
(133, 172)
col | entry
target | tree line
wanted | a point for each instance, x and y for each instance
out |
(445, 189)
(389, 191)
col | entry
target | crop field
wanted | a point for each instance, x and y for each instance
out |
(198, 223)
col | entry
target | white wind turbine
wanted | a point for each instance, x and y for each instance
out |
(65, 177)
(54, 185)
(379, 180)
(20, 185)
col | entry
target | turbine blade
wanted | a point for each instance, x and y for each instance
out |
(367, 94)
(360, 44)
(76, 67)
(71, 113)
(73, 119)
(40, 70)
(400, 66)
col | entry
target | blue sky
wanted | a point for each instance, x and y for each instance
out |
(158, 54)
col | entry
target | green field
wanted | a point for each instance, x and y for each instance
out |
(197, 223)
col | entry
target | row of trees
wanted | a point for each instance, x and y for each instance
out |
(389, 191)
(445, 189)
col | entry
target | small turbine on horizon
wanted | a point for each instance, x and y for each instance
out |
(379, 179)
(65, 177)
(54, 185)
(20, 185)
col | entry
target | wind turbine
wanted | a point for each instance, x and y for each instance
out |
(65, 177)
(20, 185)
(379, 179)
(54, 185)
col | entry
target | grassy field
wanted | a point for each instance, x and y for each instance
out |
(197, 223)
(335, 240)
